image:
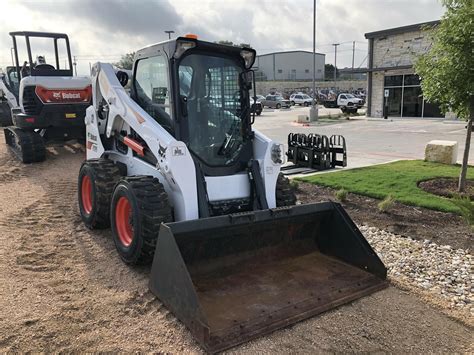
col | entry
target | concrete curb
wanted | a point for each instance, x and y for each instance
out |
(343, 169)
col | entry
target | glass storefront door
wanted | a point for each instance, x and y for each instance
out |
(394, 101)
(412, 102)
(406, 97)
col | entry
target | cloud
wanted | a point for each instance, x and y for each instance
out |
(104, 29)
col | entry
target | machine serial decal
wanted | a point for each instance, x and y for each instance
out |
(178, 151)
(91, 137)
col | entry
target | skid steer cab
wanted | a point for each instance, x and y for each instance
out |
(47, 103)
(177, 171)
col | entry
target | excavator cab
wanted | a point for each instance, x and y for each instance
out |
(50, 102)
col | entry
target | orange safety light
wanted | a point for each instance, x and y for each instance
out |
(191, 35)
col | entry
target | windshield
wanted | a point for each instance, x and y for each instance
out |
(279, 98)
(210, 86)
(349, 96)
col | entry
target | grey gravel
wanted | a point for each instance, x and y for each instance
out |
(441, 270)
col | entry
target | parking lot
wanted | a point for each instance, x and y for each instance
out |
(368, 141)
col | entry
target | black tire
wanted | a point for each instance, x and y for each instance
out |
(259, 113)
(102, 175)
(305, 104)
(343, 109)
(148, 207)
(293, 103)
(285, 195)
(28, 146)
(278, 106)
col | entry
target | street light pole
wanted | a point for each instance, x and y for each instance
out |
(335, 63)
(169, 32)
(313, 111)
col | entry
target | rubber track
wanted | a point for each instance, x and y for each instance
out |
(154, 209)
(285, 195)
(32, 148)
(107, 174)
(5, 114)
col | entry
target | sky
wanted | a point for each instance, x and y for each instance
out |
(103, 30)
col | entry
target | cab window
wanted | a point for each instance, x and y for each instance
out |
(151, 88)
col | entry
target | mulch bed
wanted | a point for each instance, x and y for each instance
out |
(415, 222)
(446, 187)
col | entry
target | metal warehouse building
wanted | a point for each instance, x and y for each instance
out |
(293, 65)
(392, 53)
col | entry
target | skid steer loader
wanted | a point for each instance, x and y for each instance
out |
(45, 101)
(8, 101)
(186, 183)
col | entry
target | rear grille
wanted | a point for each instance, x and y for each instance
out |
(31, 103)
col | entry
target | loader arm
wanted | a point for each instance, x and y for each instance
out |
(7, 93)
(173, 160)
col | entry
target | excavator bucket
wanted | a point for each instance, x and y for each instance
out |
(235, 277)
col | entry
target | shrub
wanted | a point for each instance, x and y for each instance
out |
(341, 195)
(294, 184)
(466, 207)
(386, 204)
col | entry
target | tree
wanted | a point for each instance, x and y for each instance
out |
(446, 70)
(227, 43)
(230, 43)
(126, 62)
(329, 72)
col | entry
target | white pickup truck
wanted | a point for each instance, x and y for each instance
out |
(349, 103)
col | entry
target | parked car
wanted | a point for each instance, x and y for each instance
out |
(349, 103)
(301, 99)
(257, 105)
(274, 101)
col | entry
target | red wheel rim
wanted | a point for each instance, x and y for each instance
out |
(123, 221)
(86, 194)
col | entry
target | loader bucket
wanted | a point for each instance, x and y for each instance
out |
(235, 277)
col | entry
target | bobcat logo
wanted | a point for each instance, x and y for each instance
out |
(162, 150)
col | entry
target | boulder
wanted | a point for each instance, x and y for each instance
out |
(445, 152)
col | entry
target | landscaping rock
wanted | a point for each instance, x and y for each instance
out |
(443, 271)
(445, 152)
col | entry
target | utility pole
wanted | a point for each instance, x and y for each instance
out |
(313, 112)
(169, 32)
(335, 63)
(353, 54)
(75, 66)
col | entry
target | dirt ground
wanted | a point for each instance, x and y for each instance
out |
(415, 222)
(446, 187)
(65, 289)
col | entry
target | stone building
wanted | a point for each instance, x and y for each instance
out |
(392, 53)
(289, 66)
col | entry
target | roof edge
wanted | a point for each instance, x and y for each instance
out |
(399, 30)
(284, 52)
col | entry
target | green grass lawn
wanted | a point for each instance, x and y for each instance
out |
(398, 179)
